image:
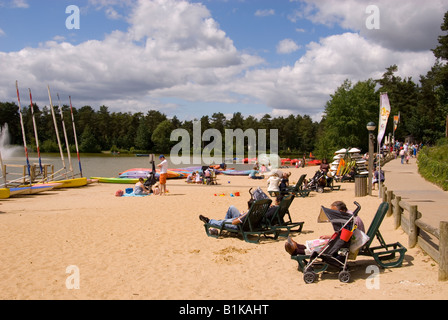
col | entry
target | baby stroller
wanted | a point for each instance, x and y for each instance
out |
(258, 194)
(318, 182)
(336, 251)
(152, 178)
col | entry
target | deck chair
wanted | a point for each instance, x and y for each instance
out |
(298, 190)
(254, 224)
(385, 255)
(281, 219)
(333, 187)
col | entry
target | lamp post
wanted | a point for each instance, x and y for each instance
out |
(371, 126)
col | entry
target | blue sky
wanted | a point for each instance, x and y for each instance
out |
(194, 58)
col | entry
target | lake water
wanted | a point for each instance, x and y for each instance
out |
(101, 165)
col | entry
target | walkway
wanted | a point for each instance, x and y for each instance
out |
(405, 181)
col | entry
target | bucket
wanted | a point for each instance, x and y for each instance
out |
(346, 235)
(237, 194)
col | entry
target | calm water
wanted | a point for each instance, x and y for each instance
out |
(100, 165)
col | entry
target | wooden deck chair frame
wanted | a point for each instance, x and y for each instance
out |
(281, 219)
(253, 225)
(385, 255)
(298, 190)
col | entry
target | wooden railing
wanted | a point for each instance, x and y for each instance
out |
(419, 233)
(13, 174)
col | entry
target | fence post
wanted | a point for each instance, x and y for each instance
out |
(383, 192)
(413, 229)
(397, 212)
(390, 196)
(443, 251)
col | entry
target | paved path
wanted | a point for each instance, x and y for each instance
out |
(405, 181)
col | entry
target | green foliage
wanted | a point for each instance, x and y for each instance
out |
(423, 109)
(49, 146)
(89, 144)
(161, 136)
(347, 114)
(433, 163)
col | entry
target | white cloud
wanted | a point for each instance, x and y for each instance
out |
(306, 86)
(287, 46)
(404, 24)
(265, 13)
(176, 50)
(2, 33)
(172, 49)
(20, 4)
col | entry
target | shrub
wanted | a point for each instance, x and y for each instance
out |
(433, 163)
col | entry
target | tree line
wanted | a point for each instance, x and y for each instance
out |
(102, 130)
(423, 110)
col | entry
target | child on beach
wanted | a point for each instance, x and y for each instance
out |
(284, 184)
(253, 173)
(163, 174)
(198, 178)
(274, 184)
(139, 188)
(191, 177)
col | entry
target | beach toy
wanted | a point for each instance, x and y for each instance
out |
(129, 190)
(346, 235)
(232, 195)
(237, 194)
(119, 193)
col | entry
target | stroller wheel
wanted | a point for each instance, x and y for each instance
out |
(309, 277)
(320, 190)
(344, 276)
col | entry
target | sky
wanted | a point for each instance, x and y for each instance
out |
(194, 58)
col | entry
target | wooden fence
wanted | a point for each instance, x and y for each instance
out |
(434, 241)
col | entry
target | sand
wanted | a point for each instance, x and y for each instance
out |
(156, 248)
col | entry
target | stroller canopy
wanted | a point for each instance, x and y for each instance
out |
(337, 218)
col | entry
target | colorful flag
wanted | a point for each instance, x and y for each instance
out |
(384, 116)
(396, 121)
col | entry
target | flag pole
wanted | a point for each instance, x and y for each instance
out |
(74, 132)
(57, 132)
(23, 133)
(65, 136)
(35, 133)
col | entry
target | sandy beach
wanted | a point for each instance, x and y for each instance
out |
(156, 248)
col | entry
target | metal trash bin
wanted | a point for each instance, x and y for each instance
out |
(360, 186)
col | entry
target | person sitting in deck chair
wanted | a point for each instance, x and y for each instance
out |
(294, 248)
(235, 217)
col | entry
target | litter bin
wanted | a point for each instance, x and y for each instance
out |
(360, 186)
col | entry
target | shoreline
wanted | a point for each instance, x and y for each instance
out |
(155, 248)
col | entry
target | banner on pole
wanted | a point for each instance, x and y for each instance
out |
(384, 116)
(396, 120)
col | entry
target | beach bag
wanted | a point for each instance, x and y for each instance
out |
(258, 194)
(359, 239)
(119, 193)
